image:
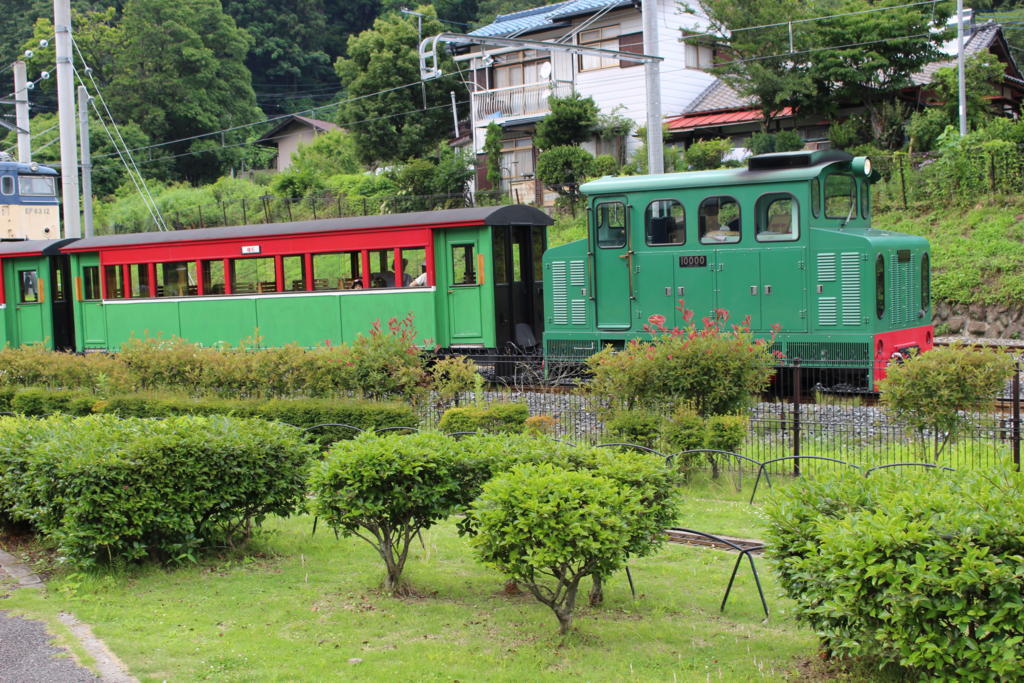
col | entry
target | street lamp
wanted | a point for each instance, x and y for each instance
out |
(419, 31)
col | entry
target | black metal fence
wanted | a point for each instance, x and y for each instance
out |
(811, 410)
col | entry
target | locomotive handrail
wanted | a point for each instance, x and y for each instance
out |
(792, 457)
(928, 465)
(742, 552)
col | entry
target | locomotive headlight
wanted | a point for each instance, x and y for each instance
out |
(862, 165)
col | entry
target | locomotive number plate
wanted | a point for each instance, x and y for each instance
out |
(693, 261)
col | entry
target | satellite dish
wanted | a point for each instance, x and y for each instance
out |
(545, 70)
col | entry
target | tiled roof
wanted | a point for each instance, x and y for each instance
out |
(980, 40)
(719, 96)
(541, 18)
(728, 118)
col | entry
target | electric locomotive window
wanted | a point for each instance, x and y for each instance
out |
(463, 265)
(114, 279)
(776, 218)
(213, 277)
(138, 274)
(880, 286)
(865, 200)
(294, 270)
(177, 278)
(37, 185)
(718, 220)
(7, 184)
(91, 283)
(926, 283)
(665, 223)
(28, 281)
(840, 195)
(253, 275)
(610, 218)
(815, 197)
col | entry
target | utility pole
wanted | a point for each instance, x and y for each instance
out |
(419, 33)
(83, 125)
(655, 155)
(455, 113)
(21, 112)
(66, 118)
(961, 81)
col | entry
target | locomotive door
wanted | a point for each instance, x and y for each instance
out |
(613, 264)
(463, 264)
(694, 284)
(738, 284)
(60, 304)
(784, 290)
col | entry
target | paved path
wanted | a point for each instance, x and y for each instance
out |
(27, 652)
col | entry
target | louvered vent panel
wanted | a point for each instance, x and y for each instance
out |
(901, 292)
(826, 267)
(827, 310)
(559, 294)
(579, 312)
(577, 273)
(850, 285)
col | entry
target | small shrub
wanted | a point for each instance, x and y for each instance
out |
(917, 570)
(547, 528)
(540, 425)
(604, 164)
(707, 154)
(637, 426)
(452, 377)
(494, 418)
(386, 490)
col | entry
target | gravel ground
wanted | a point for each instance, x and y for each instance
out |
(27, 655)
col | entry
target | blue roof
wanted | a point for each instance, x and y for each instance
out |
(18, 167)
(541, 18)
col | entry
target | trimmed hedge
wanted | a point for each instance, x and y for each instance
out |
(494, 418)
(924, 570)
(105, 489)
(367, 415)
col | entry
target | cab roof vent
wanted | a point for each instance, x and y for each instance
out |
(804, 159)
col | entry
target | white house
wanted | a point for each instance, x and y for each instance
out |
(511, 86)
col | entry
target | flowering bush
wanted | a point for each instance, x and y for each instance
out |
(716, 369)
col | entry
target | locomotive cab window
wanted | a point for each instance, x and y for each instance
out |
(7, 184)
(37, 186)
(718, 220)
(665, 223)
(840, 196)
(865, 200)
(880, 286)
(815, 197)
(610, 225)
(777, 218)
(926, 284)
(28, 284)
(463, 265)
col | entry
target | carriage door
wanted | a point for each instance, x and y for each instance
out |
(60, 304)
(464, 277)
(28, 302)
(613, 263)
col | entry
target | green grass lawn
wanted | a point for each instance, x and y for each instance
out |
(295, 607)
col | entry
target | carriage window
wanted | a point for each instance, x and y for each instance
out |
(91, 283)
(382, 268)
(114, 280)
(926, 282)
(7, 184)
(139, 276)
(718, 220)
(665, 222)
(865, 200)
(840, 195)
(880, 286)
(815, 197)
(463, 266)
(777, 218)
(610, 218)
(58, 285)
(343, 270)
(294, 269)
(37, 185)
(253, 275)
(414, 267)
(177, 278)
(29, 284)
(213, 277)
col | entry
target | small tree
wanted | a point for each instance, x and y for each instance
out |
(562, 169)
(492, 150)
(707, 154)
(571, 120)
(386, 490)
(547, 528)
(453, 376)
(936, 392)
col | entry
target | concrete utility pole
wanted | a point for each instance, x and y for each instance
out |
(655, 155)
(83, 125)
(21, 112)
(961, 82)
(66, 118)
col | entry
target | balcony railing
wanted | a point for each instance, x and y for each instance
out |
(518, 100)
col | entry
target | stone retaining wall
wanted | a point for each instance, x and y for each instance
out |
(977, 320)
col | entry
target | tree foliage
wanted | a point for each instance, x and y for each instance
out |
(570, 121)
(398, 124)
(492, 150)
(564, 168)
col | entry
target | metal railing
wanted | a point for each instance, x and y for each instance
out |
(517, 100)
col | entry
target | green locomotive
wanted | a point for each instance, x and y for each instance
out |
(786, 241)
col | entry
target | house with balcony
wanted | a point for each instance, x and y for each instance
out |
(511, 86)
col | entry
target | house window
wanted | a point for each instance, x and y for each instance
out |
(520, 68)
(606, 38)
(699, 56)
(634, 44)
(517, 158)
